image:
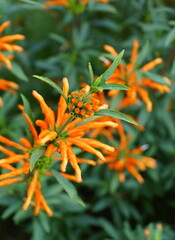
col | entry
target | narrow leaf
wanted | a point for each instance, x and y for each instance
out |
(44, 220)
(27, 107)
(107, 74)
(36, 154)
(109, 86)
(91, 73)
(104, 8)
(18, 72)
(115, 114)
(143, 54)
(171, 37)
(68, 187)
(33, 3)
(108, 228)
(155, 77)
(52, 84)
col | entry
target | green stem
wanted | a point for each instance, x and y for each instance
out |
(65, 124)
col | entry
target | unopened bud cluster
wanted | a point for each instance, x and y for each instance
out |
(81, 104)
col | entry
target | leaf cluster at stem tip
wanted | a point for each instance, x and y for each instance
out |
(99, 84)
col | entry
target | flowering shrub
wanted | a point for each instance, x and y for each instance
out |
(87, 134)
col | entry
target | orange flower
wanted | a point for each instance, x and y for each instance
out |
(8, 86)
(58, 135)
(127, 75)
(131, 160)
(109, 132)
(23, 173)
(67, 4)
(7, 45)
(63, 132)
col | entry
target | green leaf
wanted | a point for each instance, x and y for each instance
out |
(155, 77)
(115, 114)
(27, 107)
(91, 73)
(104, 8)
(58, 38)
(36, 154)
(44, 220)
(52, 84)
(21, 215)
(114, 183)
(33, 3)
(107, 74)
(68, 187)
(170, 37)
(37, 230)
(109, 86)
(11, 209)
(108, 228)
(18, 72)
(143, 54)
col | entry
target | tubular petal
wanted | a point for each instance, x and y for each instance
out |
(10, 181)
(62, 105)
(30, 191)
(63, 152)
(45, 206)
(48, 113)
(152, 64)
(71, 177)
(6, 151)
(97, 144)
(86, 147)
(11, 143)
(73, 162)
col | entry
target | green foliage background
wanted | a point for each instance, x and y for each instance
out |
(59, 43)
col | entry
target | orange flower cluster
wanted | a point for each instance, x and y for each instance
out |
(63, 131)
(7, 45)
(127, 75)
(66, 2)
(125, 159)
(22, 173)
(58, 134)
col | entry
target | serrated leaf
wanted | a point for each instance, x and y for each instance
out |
(52, 84)
(155, 77)
(27, 107)
(115, 114)
(91, 73)
(18, 72)
(109, 86)
(68, 187)
(107, 74)
(36, 154)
